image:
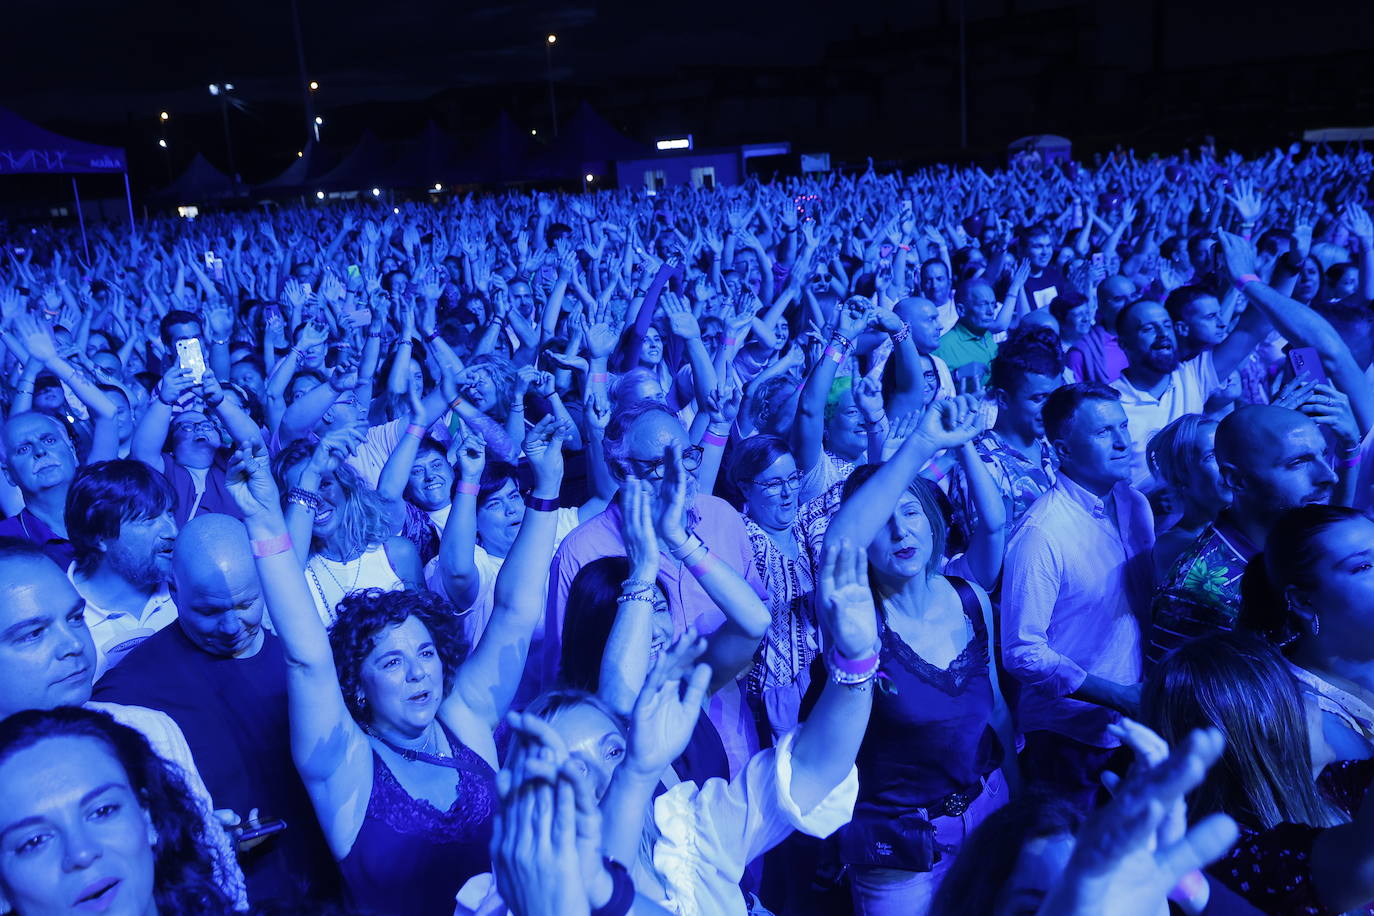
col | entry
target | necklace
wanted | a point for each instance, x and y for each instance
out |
(357, 572)
(421, 755)
(325, 603)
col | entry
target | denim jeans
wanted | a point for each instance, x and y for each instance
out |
(895, 892)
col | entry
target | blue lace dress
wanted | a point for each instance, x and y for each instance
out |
(410, 858)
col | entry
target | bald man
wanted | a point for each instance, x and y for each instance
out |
(1273, 459)
(1098, 357)
(222, 677)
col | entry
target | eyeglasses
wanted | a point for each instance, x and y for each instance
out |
(774, 486)
(655, 469)
(204, 426)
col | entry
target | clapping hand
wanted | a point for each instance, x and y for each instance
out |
(847, 613)
(666, 712)
(544, 449)
(951, 422)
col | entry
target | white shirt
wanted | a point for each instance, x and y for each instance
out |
(1077, 582)
(708, 834)
(476, 616)
(1185, 392)
(115, 633)
(167, 741)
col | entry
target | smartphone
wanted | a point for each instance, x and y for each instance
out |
(265, 828)
(218, 267)
(209, 260)
(21, 251)
(1307, 365)
(360, 318)
(906, 208)
(354, 272)
(1098, 261)
(190, 356)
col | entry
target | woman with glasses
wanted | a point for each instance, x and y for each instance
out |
(188, 447)
(766, 475)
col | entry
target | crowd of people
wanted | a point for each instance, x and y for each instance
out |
(956, 542)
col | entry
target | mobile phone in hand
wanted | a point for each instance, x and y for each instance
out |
(190, 356)
(243, 833)
(209, 260)
(1307, 365)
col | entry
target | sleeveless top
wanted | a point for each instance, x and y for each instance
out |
(410, 858)
(330, 580)
(929, 734)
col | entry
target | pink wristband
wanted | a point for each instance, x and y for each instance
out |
(729, 341)
(835, 354)
(854, 666)
(270, 547)
(700, 568)
(1352, 462)
(597, 378)
(467, 488)
(1189, 887)
(416, 430)
(710, 438)
(1246, 278)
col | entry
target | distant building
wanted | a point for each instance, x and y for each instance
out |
(700, 168)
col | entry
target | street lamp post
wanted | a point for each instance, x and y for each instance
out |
(223, 93)
(548, 69)
(163, 118)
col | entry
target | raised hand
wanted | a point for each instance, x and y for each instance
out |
(36, 337)
(681, 321)
(250, 483)
(637, 529)
(335, 447)
(544, 449)
(670, 510)
(1357, 221)
(470, 453)
(1248, 202)
(665, 713)
(1240, 255)
(952, 421)
(847, 614)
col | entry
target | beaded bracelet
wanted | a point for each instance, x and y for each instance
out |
(645, 594)
(901, 334)
(304, 498)
(851, 672)
(271, 547)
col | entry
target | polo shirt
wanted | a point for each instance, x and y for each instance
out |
(1185, 392)
(116, 633)
(963, 345)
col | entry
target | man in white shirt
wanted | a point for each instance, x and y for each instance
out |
(1156, 388)
(1076, 590)
(119, 520)
(47, 659)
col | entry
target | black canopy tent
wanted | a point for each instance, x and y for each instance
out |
(27, 149)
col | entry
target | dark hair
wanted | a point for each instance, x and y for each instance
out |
(494, 476)
(1125, 312)
(173, 318)
(986, 859)
(1178, 301)
(1272, 240)
(753, 456)
(183, 858)
(1066, 302)
(1289, 559)
(1063, 403)
(587, 622)
(1029, 351)
(1240, 685)
(105, 495)
(364, 614)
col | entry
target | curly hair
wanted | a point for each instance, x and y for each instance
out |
(501, 371)
(183, 858)
(364, 520)
(364, 614)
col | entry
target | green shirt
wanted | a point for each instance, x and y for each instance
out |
(962, 346)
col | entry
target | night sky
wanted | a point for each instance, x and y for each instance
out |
(850, 75)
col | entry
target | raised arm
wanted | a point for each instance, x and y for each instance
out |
(731, 647)
(827, 743)
(808, 429)
(330, 750)
(457, 548)
(151, 431)
(486, 682)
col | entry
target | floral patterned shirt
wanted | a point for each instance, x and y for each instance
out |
(1021, 479)
(1201, 594)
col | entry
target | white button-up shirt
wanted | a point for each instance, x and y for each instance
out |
(1075, 589)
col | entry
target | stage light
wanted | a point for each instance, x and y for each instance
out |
(533, 132)
(438, 187)
(319, 120)
(675, 143)
(396, 210)
(590, 177)
(214, 88)
(162, 143)
(376, 192)
(553, 39)
(314, 85)
(319, 195)
(164, 116)
(300, 153)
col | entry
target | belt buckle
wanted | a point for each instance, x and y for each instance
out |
(956, 803)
